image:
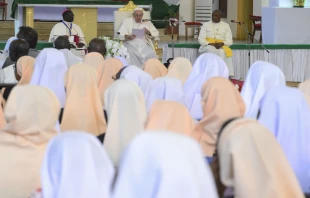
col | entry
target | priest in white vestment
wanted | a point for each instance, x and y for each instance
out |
(140, 50)
(216, 37)
(69, 29)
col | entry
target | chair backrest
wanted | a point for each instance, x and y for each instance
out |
(119, 17)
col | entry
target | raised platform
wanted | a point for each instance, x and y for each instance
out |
(293, 60)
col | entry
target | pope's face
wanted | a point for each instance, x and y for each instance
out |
(138, 15)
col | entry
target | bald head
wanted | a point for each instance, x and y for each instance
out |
(97, 45)
(216, 16)
(62, 42)
(18, 48)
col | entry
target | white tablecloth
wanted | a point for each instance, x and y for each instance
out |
(295, 63)
(286, 25)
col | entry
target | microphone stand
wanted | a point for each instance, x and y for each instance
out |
(250, 36)
(172, 29)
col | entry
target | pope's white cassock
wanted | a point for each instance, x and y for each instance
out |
(140, 50)
(217, 32)
(64, 28)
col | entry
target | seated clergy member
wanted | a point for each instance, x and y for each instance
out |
(31, 36)
(18, 48)
(140, 50)
(68, 28)
(215, 37)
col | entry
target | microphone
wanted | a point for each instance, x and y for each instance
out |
(235, 21)
(146, 20)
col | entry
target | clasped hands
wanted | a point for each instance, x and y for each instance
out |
(131, 37)
(217, 45)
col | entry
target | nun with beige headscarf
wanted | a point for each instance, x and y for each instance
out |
(125, 106)
(221, 101)
(31, 114)
(170, 116)
(111, 67)
(180, 68)
(23, 73)
(155, 68)
(95, 60)
(252, 163)
(83, 108)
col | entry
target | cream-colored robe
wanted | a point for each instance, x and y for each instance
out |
(219, 31)
(61, 30)
(139, 50)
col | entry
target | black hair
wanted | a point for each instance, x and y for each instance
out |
(97, 45)
(18, 48)
(62, 42)
(29, 34)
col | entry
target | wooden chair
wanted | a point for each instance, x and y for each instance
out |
(3, 7)
(194, 25)
(257, 26)
(126, 12)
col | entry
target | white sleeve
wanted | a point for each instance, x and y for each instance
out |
(123, 29)
(51, 39)
(228, 38)
(153, 30)
(202, 39)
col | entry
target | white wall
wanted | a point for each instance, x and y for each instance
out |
(257, 7)
(232, 8)
(187, 12)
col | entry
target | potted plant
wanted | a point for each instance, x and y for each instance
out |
(300, 3)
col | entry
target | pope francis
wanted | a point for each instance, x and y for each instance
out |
(140, 49)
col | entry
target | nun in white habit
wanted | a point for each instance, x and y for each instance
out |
(139, 76)
(164, 88)
(76, 166)
(125, 106)
(206, 67)
(49, 71)
(161, 164)
(262, 76)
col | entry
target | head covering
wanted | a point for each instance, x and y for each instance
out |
(25, 67)
(285, 112)
(111, 67)
(261, 77)
(170, 116)
(123, 60)
(305, 88)
(155, 68)
(83, 110)
(138, 8)
(253, 164)
(164, 88)
(31, 113)
(205, 67)
(125, 106)
(135, 74)
(49, 70)
(8, 43)
(162, 164)
(95, 60)
(76, 166)
(221, 101)
(71, 58)
(180, 68)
